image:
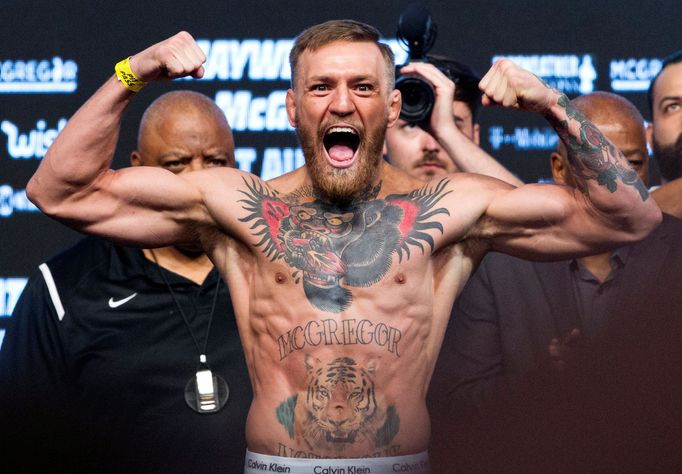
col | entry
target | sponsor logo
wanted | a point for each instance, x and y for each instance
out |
(342, 470)
(420, 466)
(33, 143)
(38, 76)
(116, 303)
(633, 74)
(278, 161)
(570, 73)
(267, 466)
(257, 59)
(253, 59)
(523, 138)
(14, 200)
(245, 112)
(245, 158)
(275, 161)
(10, 290)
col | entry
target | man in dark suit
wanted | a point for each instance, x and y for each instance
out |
(518, 320)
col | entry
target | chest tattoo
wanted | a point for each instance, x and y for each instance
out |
(333, 249)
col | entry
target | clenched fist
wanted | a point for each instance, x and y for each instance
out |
(511, 86)
(177, 56)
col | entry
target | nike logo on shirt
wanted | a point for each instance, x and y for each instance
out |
(116, 303)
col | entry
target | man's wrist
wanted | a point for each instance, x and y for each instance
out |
(557, 106)
(127, 77)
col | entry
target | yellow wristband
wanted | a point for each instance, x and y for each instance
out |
(126, 76)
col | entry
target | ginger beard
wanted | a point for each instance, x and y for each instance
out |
(340, 185)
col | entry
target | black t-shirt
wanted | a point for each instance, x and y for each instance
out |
(96, 360)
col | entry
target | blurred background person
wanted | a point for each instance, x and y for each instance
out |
(518, 322)
(100, 361)
(449, 142)
(664, 132)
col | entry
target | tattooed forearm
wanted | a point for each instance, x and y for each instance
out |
(590, 155)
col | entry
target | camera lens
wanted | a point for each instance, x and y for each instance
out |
(417, 97)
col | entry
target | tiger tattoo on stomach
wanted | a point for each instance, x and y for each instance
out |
(340, 411)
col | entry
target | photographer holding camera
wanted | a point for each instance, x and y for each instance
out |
(437, 131)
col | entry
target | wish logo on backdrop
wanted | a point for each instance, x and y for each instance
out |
(28, 144)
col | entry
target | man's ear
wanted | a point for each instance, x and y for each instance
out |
(650, 135)
(477, 134)
(558, 168)
(135, 158)
(291, 107)
(394, 105)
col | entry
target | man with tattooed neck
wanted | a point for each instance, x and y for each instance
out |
(342, 272)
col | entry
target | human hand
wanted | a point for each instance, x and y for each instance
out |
(442, 120)
(511, 86)
(177, 56)
(562, 351)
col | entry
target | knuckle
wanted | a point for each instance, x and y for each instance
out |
(506, 67)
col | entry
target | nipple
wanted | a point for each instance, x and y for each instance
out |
(280, 277)
(400, 278)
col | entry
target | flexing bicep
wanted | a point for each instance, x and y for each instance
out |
(548, 222)
(143, 206)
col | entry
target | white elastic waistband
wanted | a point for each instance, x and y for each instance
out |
(412, 463)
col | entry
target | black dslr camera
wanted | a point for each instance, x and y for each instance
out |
(417, 31)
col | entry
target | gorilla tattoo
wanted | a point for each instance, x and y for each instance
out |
(331, 246)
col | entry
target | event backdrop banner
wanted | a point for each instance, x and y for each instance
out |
(52, 58)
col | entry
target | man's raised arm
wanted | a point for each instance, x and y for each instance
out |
(465, 154)
(74, 182)
(611, 205)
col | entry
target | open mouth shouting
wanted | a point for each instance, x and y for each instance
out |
(341, 145)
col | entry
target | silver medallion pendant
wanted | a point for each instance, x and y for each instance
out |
(206, 392)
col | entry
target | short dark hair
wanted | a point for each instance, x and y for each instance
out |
(672, 58)
(328, 32)
(465, 79)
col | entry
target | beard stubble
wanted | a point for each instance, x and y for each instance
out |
(342, 185)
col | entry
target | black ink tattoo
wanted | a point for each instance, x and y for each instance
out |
(592, 156)
(346, 332)
(340, 410)
(290, 452)
(353, 245)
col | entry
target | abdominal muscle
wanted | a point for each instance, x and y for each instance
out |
(339, 386)
(347, 384)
